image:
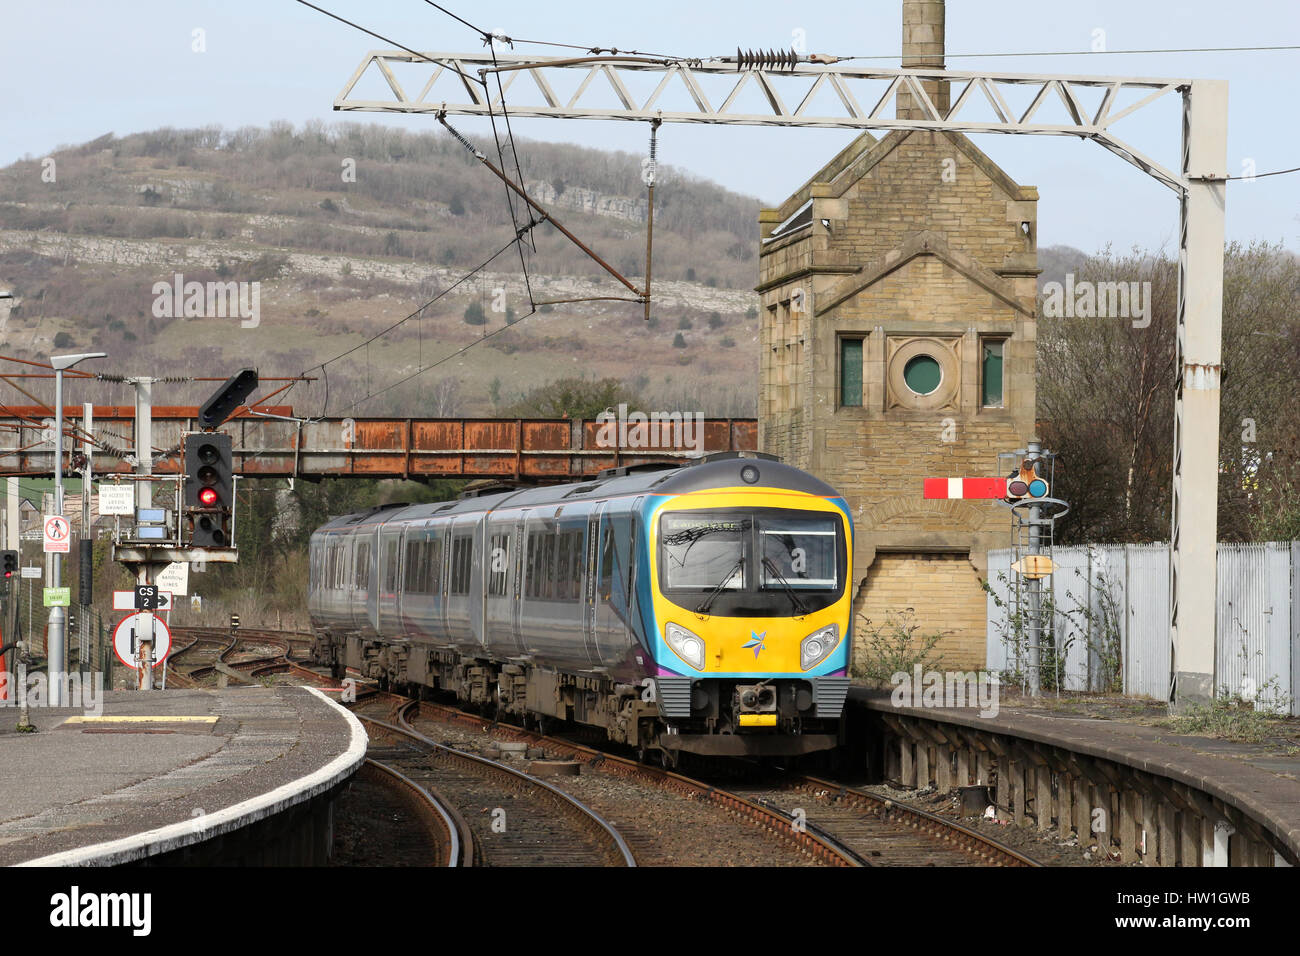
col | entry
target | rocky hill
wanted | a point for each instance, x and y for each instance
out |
(348, 229)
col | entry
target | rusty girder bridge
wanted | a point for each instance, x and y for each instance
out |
(270, 442)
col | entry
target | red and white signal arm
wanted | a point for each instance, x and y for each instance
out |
(162, 639)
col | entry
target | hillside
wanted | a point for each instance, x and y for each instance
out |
(340, 257)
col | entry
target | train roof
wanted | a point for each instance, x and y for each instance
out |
(725, 470)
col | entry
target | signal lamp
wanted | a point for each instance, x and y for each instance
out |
(207, 497)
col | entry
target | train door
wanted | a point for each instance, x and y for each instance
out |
(388, 586)
(612, 631)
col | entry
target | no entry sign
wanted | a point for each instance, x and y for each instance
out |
(122, 645)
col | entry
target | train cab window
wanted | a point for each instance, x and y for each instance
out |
(799, 552)
(706, 553)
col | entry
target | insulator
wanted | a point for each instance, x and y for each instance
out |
(766, 59)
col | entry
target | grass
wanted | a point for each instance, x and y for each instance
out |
(1226, 719)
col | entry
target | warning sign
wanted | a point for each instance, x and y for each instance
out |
(57, 534)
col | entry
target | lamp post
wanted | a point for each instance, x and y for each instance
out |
(57, 629)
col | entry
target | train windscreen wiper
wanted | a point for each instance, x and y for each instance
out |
(795, 602)
(712, 595)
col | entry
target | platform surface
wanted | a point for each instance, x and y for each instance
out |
(1263, 779)
(164, 769)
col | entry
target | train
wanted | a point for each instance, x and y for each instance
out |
(700, 607)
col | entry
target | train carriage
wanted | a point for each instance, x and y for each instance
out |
(703, 608)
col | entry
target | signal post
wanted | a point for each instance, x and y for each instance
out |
(201, 527)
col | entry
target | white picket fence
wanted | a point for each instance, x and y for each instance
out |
(1118, 595)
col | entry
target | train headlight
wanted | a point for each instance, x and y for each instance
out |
(687, 645)
(817, 646)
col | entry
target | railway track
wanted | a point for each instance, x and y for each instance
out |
(446, 829)
(669, 819)
(506, 817)
(838, 824)
(216, 648)
(658, 816)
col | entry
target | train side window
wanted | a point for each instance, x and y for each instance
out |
(362, 576)
(498, 560)
(461, 550)
(435, 563)
(607, 564)
(390, 566)
(563, 565)
(411, 584)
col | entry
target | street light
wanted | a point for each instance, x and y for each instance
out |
(57, 638)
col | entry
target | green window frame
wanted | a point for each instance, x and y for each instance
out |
(992, 382)
(850, 372)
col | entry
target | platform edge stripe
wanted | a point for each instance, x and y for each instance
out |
(173, 836)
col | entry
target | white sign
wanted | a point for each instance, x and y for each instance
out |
(125, 600)
(116, 499)
(122, 642)
(175, 578)
(196, 603)
(33, 571)
(57, 534)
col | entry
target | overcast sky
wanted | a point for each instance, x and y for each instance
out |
(72, 71)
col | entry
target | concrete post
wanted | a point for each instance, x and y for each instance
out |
(1193, 539)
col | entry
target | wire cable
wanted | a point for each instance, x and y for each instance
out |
(400, 46)
(1204, 49)
(446, 358)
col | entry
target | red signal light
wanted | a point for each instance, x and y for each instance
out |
(207, 497)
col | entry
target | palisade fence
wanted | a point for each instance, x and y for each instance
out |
(1110, 607)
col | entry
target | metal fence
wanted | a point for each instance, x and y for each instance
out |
(1110, 619)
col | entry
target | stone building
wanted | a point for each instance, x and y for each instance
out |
(898, 332)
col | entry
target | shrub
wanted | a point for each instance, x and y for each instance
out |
(474, 314)
(715, 320)
(63, 340)
(679, 341)
(685, 323)
(895, 647)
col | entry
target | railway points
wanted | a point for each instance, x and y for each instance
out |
(193, 776)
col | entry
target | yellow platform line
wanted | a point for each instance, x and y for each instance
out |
(168, 719)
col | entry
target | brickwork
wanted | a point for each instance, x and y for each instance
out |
(945, 596)
(918, 246)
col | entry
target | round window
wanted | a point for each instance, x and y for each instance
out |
(922, 374)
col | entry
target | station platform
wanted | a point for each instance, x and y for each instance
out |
(176, 776)
(1261, 780)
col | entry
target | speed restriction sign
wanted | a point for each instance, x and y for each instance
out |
(139, 623)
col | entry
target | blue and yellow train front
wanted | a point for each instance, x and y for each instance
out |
(751, 598)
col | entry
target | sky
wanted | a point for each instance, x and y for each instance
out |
(72, 71)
